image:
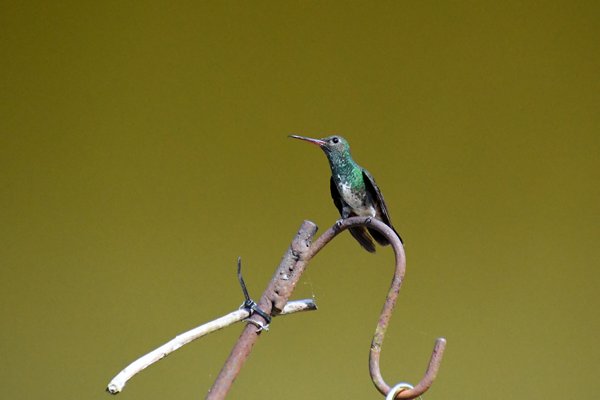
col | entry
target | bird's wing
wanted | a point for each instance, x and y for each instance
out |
(376, 195)
(335, 195)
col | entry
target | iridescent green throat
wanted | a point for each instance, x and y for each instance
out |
(345, 170)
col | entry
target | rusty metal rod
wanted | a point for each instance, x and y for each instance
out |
(388, 307)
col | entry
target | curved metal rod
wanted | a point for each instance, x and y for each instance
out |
(388, 307)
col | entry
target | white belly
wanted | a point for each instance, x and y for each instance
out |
(356, 203)
(364, 211)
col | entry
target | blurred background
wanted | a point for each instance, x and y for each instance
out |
(143, 148)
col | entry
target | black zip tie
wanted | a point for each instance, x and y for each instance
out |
(250, 304)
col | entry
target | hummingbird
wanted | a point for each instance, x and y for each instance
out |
(353, 190)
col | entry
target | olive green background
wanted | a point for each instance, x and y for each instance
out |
(144, 147)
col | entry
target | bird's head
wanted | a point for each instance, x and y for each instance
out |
(331, 145)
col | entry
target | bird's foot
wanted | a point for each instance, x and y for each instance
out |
(338, 224)
(368, 220)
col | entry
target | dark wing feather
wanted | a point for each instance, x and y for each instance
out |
(359, 233)
(335, 195)
(383, 215)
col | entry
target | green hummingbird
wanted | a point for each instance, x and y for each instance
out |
(353, 190)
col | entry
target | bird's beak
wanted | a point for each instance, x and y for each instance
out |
(317, 142)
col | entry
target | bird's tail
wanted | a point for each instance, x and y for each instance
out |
(360, 234)
(380, 238)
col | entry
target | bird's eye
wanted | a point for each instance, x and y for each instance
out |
(335, 140)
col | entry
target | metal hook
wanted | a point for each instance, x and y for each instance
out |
(384, 318)
(388, 307)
